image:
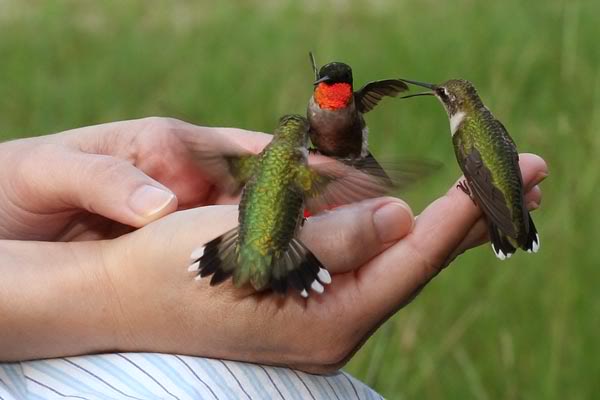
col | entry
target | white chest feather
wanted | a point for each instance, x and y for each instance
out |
(455, 121)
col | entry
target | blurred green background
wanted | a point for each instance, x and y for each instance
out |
(524, 328)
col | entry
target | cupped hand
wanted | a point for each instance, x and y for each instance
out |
(380, 256)
(99, 181)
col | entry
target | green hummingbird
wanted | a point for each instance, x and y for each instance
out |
(335, 110)
(264, 250)
(489, 160)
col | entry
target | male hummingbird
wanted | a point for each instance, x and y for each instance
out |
(489, 160)
(335, 111)
(278, 184)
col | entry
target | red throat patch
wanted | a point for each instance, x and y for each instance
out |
(333, 97)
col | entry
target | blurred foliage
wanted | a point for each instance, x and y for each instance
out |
(524, 328)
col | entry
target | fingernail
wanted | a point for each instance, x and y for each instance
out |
(149, 200)
(539, 178)
(393, 221)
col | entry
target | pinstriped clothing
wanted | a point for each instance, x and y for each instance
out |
(164, 376)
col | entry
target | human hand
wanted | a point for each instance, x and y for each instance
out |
(379, 256)
(99, 181)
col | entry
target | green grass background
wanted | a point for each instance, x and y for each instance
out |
(525, 328)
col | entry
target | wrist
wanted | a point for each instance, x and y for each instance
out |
(54, 300)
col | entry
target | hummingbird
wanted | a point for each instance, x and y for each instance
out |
(335, 111)
(489, 160)
(277, 184)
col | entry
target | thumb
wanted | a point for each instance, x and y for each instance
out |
(342, 239)
(347, 237)
(61, 179)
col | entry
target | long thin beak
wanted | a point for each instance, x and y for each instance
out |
(323, 79)
(422, 84)
(417, 94)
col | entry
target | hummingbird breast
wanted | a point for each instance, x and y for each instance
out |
(337, 133)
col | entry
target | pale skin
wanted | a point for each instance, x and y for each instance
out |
(99, 284)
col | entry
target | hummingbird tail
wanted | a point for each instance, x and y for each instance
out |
(216, 258)
(296, 268)
(501, 244)
(299, 269)
(532, 243)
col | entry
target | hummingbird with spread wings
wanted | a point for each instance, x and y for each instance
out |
(335, 111)
(277, 185)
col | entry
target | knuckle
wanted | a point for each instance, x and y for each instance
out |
(429, 267)
(161, 125)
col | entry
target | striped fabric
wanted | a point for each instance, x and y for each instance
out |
(165, 376)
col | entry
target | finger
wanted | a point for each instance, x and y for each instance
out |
(63, 179)
(455, 214)
(342, 239)
(249, 140)
(193, 228)
(167, 149)
(438, 231)
(349, 236)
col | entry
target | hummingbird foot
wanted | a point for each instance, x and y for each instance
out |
(462, 185)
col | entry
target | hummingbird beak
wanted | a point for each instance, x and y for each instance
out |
(422, 84)
(323, 79)
(417, 94)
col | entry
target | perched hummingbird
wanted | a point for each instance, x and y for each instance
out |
(278, 184)
(488, 157)
(335, 111)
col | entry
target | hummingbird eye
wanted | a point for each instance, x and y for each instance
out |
(445, 94)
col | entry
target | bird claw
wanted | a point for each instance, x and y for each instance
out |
(462, 185)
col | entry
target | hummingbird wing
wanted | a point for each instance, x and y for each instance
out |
(225, 163)
(490, 198)
(342, 181)
(313, 64)
(367, 97)
(241, 167)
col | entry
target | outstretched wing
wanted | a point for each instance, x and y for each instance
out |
(241, 167)
(342, 181)
(369, 95)
(225, 163)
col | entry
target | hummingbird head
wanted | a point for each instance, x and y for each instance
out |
(333, 86)
(457, 95)
(294, 128)
(334, 72)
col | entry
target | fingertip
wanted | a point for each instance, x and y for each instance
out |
(533, 198)
(393, 221)
(534, 169)
(533, 160)
(149, 203)
(349, 236)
